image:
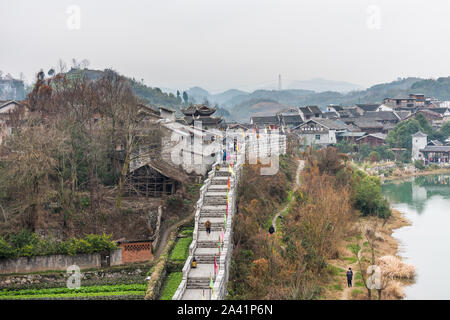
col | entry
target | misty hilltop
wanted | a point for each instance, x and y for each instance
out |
(242, 105)
(238, 105)
(322, 85)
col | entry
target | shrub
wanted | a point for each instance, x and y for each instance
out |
(374, 156)
(418, 164)
(28, 244)
(369, 198)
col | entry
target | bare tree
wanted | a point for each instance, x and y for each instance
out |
(370, 272)
(62, 66)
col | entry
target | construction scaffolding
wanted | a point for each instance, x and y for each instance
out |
(149, 182)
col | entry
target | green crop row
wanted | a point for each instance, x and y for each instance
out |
(74, 295)
(81, 290)
(173, 281)
(181, 250)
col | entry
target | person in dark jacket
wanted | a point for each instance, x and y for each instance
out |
(349, 277)
(208, 227)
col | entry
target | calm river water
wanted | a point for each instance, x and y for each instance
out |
(426, 243)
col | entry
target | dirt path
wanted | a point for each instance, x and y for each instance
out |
(166, 233)
(301, 164)
(347, 290)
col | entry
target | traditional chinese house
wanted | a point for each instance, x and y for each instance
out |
(436, 154)
(203, 114)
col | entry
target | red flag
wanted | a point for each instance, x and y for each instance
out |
(215, 265)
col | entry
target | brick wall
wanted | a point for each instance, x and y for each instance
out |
(136, 251)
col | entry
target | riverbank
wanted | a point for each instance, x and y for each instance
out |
(407, 174)
(387, 245)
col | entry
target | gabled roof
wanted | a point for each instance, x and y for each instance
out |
(205, 120)
(314, 109)
(440, 110)
(330, 115)
(435, 149)
(305, 111)
(403, 114)
(352, 134)
(419, 134)
(293, 118)
(435, 143)
(382, 115)
(265, 120)
(349, 113)
(327, 123)
(377, 135)
(4, 104)
(368, 107)
(425, 112)
(367, 123)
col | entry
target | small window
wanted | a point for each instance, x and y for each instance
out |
(317, 136)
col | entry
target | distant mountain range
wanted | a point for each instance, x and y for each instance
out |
(240, 105)
(322, 85)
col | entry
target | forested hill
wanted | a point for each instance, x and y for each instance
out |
(244, 106)
(240, 105)
(154, 96)
(439, 88)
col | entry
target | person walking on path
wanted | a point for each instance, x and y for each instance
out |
(271, 230)
(208, 227)
(349, 277)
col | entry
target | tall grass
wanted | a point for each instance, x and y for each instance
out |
(394, 267)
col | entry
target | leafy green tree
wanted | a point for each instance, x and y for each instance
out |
(369, 197)
(400, 136)
(185, 97)
(388, 154)
(444, 131)
(374, 156)
(364, 150)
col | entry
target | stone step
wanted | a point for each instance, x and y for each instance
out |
(215, 200)
(204, 280)
(216, 194)
(197, 286)
(218, 187)
(223, 173)
(219, 180)
(214, 209)
(208, 244)
(216, 214)
(206, 259)
(197, 294)
(217, 227)
(213, 220)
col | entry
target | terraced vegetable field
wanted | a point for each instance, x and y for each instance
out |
(131, 290)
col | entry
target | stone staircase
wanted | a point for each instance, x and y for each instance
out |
(214, 209)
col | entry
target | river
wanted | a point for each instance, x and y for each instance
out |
(425, 201)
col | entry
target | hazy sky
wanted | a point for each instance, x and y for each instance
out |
(220, 44)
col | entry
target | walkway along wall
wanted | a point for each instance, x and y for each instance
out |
(195, 282)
